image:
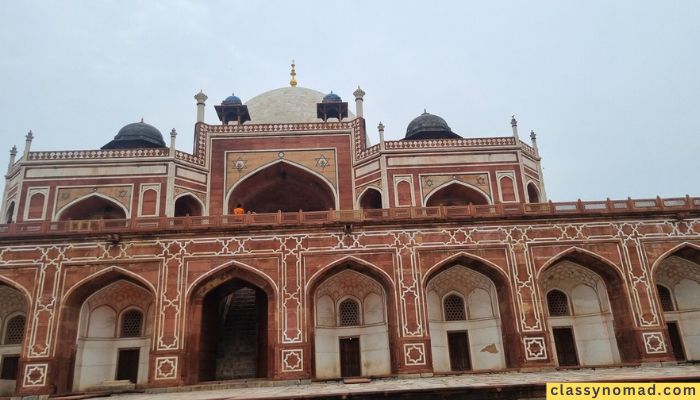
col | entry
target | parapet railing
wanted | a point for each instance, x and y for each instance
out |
(404, 214)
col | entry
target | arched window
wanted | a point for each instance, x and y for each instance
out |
(557, 303)
(403, 194)
(14, 331)
(36, 206)
(371, 199)
(349, 313)
(665, 298)
(187, 205)
(9, 216)
(132, 324)
(533, 194)
(507, 189)
(454, 308)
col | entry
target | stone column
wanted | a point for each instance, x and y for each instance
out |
(201, 98)
(28, 144)
(359, 99)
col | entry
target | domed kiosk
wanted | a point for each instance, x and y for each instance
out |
(429, 126)
(136, 136)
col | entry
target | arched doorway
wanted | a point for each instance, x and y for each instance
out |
(282, 187)
(187, 205)
(351, 332)
(465, 322)
(93, 207)
(114, 336)
(677, 280)
(13, 318)
(456, 194)
(370, 199)
(471, 317)
(234, 311)
(533, 194)
(588, 314)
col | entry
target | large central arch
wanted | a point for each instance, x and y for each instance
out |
(285, 187)
(234, 308)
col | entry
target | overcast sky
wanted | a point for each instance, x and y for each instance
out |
(612, 88)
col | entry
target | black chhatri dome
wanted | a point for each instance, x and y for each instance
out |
(232, 100)
(429, 126)
(136, 136)
(331, 98)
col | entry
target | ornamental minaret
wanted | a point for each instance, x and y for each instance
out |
(514, 125)
(13, 154)
(201, 98)
(28, 144)
(359, 99)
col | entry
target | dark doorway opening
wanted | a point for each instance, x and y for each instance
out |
(565, 346)
(458, 345)
(371, 199)
(93, 207)
(234, 333)
(10, 365)
(676, 342)
(128, 365)
(350, 357)
(283, 187)
(187, 205)
(456, 194)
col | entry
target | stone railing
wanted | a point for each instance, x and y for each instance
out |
(528, 149)
(433, 143)
(315, 218)
(96, 154)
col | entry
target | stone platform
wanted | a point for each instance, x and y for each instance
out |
(506, 385)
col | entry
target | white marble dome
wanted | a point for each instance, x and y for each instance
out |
(286, 105)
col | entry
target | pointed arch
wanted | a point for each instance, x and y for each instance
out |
(262, 183)
(618, 296)
(578, 255)
(506, 305)
(20, 288)
(205, 293)
(685, 250)
(533, 193)
(69, 318)
(370, 198)
(370, 270)
(97, 198)
(457, 192)
(186, 203)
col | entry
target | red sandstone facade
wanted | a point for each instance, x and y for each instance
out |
(181, 266)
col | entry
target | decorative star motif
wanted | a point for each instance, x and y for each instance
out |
(429, 182)
(240, 164)
(322, 162)
(280, 154)
(480, 181)
(122, 193)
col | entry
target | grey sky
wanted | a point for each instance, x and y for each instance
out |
(611, 88)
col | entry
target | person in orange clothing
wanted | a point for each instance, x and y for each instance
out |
(238, 210)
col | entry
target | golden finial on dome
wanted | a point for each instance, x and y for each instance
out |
(293, 81)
